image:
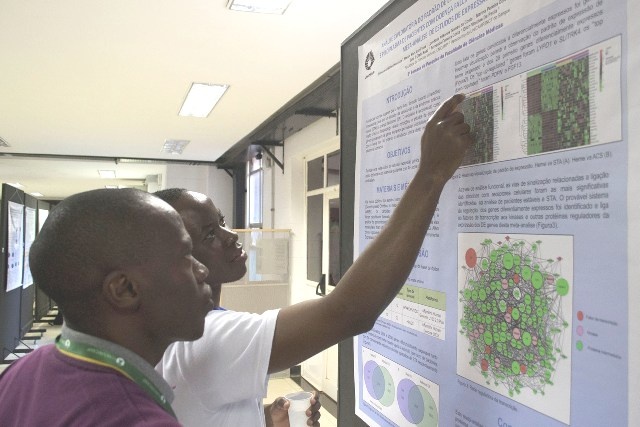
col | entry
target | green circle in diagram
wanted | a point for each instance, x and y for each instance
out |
(389, 388)
(537, 280)
(430, 409)
(562, 287)
(507, 260)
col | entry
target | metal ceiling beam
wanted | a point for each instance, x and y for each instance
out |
(265, 148)
(318, 100)
(116, 160)
(315, 111)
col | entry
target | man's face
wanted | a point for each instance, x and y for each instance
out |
(214, 245)
(176, 296)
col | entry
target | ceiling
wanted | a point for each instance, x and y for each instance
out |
(106, 80)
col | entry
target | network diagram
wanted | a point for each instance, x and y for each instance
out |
(512, 315)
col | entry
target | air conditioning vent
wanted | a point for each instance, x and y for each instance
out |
(4, 143)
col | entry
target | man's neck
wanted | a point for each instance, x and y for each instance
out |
(216, 290)
(143, 346)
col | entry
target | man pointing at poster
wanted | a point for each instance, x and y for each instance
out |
(210, 379)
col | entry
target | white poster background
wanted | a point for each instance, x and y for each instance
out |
(633, 9)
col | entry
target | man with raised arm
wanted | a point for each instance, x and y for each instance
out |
(119, 264)
(221, 378)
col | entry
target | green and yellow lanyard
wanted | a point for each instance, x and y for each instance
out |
(91, 354)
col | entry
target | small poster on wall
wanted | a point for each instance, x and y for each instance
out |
(15, 246)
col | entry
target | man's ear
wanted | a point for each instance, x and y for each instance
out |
(121, 292)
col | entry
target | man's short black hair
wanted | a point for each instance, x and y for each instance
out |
(171, 195)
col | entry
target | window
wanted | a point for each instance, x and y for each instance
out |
(323, 224)
(333, 168)
(256, 174)
(314, 237)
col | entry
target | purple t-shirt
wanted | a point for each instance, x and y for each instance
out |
(47, 388)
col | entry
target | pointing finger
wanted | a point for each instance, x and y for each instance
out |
(447, 107)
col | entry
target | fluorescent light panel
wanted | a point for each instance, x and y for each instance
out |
(37, 194)
(107, 174)
(259, 6)
(15, 184)
(174, 146)
(201, 99)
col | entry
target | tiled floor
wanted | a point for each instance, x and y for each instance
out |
(278, 386)
(47, 337)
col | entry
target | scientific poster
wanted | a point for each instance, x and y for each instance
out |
(15, 245)
(517, 310)
(29, 237)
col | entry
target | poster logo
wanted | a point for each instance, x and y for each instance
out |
(369, 60)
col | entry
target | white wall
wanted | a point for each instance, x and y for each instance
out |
(289, 198)
(289, 212)
(208, 180)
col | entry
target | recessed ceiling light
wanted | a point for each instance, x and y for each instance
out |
(36, 194)
(201, 99)
(15, 184)
(111, 186)
(174, 146)
(259, 6)
(107, 174)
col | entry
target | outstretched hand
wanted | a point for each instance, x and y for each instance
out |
(445, 140)
(277, 415)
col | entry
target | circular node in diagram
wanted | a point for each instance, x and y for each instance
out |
(417, 404)
(512, 313)
(379, 383)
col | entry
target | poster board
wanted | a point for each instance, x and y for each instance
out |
(15, 245)
(28, 293)
(506, 315)
(9, 300)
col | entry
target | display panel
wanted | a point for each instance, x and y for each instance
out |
(522, 285)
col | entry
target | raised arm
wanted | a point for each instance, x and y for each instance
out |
(375, 278)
